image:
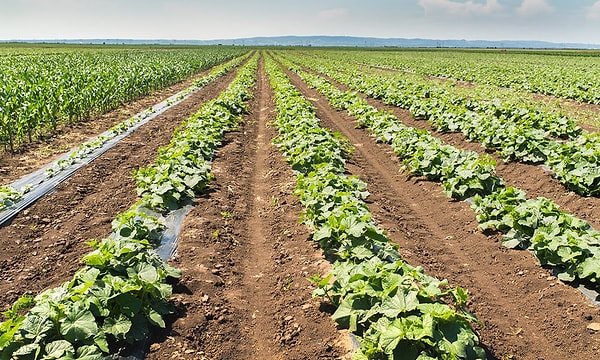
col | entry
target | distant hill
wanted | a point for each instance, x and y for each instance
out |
(344, 41)
(396, 42)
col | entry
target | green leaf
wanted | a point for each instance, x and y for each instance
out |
(324, 232)
(129, 304)
(343, 312)
(58, 348)
(139, 329)
(165, 290)
(391, 336)
(156, 318)
(101, 342)
(354, 226)
(117, 327)
(28, 350)
(462, 295)
(400, 303)
(85, 278)
(79, 324)
(590, 267)
(513, 241)
(90, 352)
(36, 327)
(148, 273)
(566, 276)
(95, 258)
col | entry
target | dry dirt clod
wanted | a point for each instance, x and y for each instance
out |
(594, 326)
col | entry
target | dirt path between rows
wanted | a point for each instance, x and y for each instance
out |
(533, 179)
(43, 244)
(525, 312)
(582, 111)
(32, 156)
(245, 260)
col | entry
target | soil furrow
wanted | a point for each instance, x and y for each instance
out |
(525, 312)
(533, 179)
(33, 156)
(260, 250)
(579, 110)
(43, 244)
(245, 260)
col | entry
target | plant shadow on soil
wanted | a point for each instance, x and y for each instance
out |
(180, 311)
(591, 288)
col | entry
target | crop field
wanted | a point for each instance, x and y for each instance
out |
(327, 203)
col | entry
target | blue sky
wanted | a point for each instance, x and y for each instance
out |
(550, 20)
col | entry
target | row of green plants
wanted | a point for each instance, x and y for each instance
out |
(462, 173)
(396, 310)
(559, 240)
(182, 168)
(10, 196)
(506, 106)
(39, 92)
(90, 146)
(123, 290)
(564, 74)
(575, 163)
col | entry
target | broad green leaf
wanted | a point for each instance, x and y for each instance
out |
(129, 304)
(27, 351)
(399, 303)
(590, 267)
(148, 273)
(156, 318)
(100, 342)
(57, 349)
(90, 352)
(139, 329)
(566, 276)
(117, 326)
(78, 324)
(165, 290)
(354, 226)
(36, 327)
(323, 232)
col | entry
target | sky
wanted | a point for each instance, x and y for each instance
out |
(560, 21)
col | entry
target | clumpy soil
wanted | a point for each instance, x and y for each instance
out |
(245, 258)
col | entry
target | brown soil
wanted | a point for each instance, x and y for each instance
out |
(42, 245)
(245, 258)
(32, 156)
(533, 179)
(588, 114)
(525, 312)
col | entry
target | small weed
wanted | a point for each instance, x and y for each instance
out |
(274, 202)
(287, 285)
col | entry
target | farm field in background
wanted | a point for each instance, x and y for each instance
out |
(47, 87)
(435, 203)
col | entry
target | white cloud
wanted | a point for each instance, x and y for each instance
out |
(533, 7)
(332, 13)
(593, 12)
(449, 7)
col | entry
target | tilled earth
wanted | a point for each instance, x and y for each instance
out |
(245, 258)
